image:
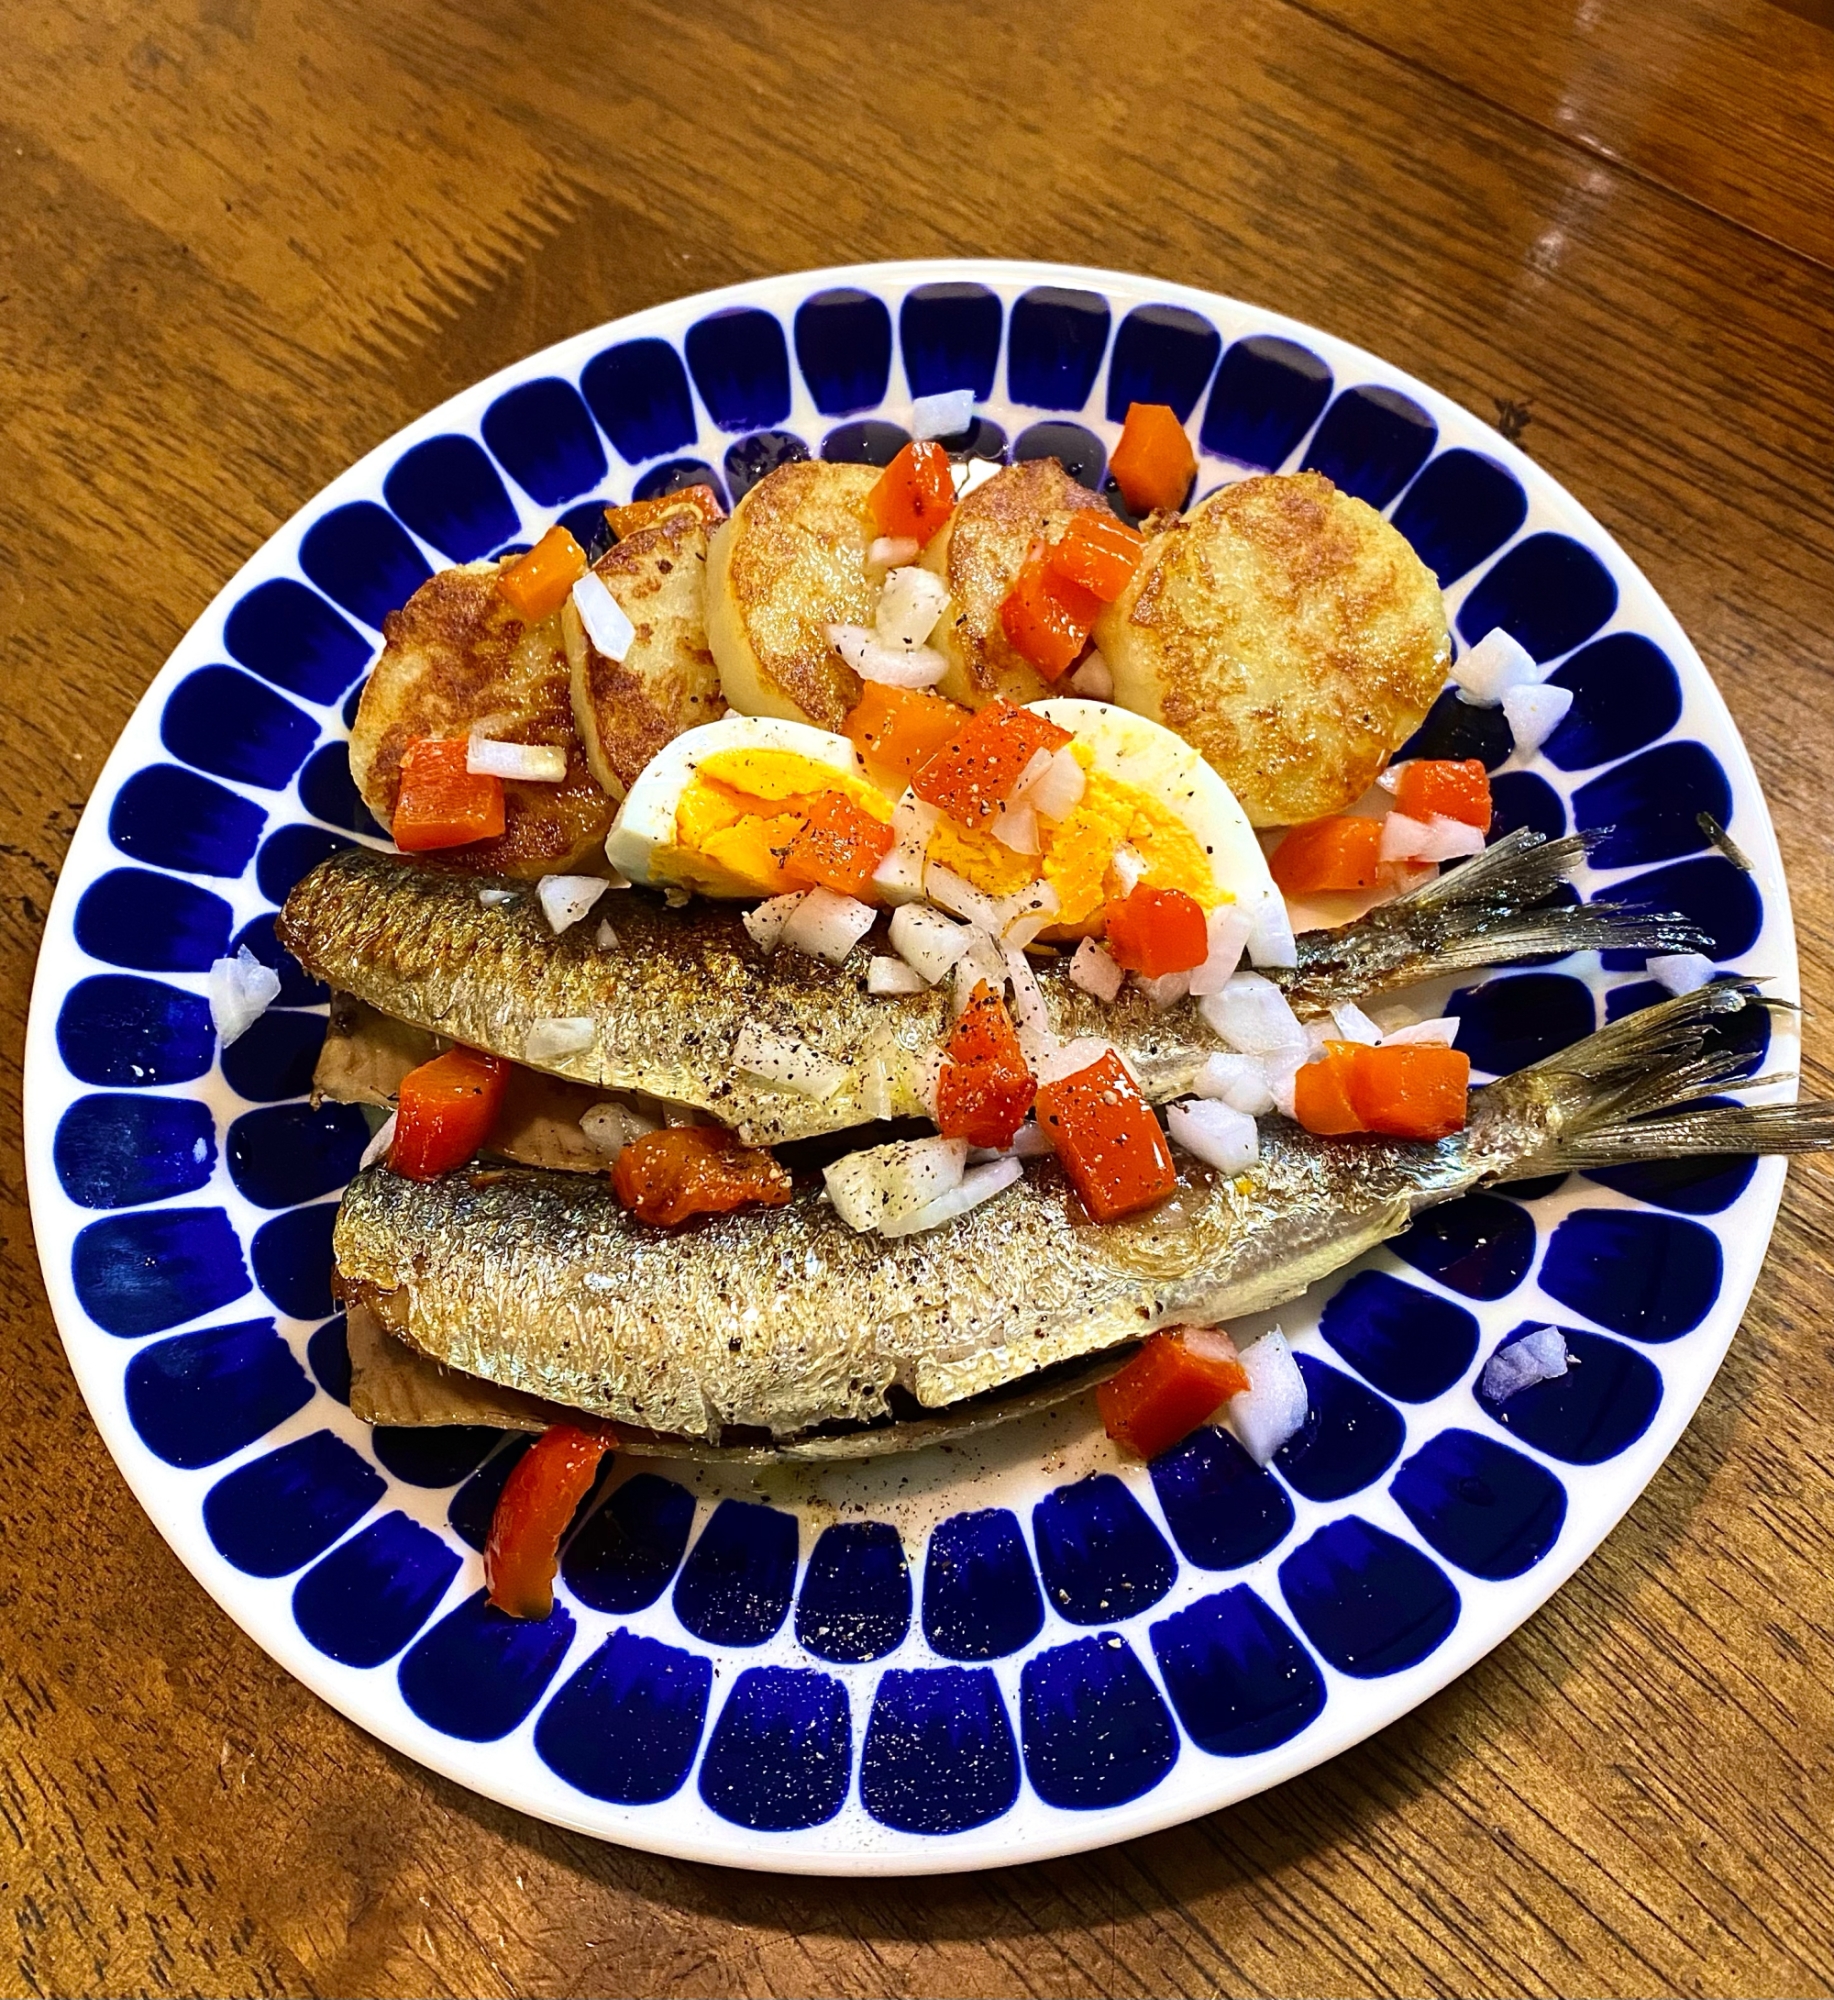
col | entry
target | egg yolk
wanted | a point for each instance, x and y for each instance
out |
(739, 813)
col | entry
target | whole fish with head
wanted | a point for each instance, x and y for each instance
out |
(668, 1000)
(786, 1321)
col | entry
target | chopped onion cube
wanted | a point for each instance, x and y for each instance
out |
(1128, 868)
(1273, 1407)
(1534, 713)
(893, 666)
(976, 473)
(948, 889)
(534, 763)
(605, 937)
(927, 941)
(892, 551)
(978, 1184)
(609, 1128)
(1228, 927)
(887, 976)
(1682, 971)
(1093, 680)
(899, 877)
(1390, 780)
(1095, 972)
(887, 1184)
(380, 1141)
(1435, 839)
(1215, 1133)
(1441, 1032)
(1016, 827)
(610, 631)
(1240, 1081)
(242, 989)
(1271, 941)
(1317, 1034)
(910, 603)
(1058, 789)
(946, 414)
(494, 898)
(1026, 911)
(1031, 1018)
(567, 898)
(1165, 991)
(825, 924)
(1353, 1025)
(555, 1035)
(1036, 765)
(1540, 1356)
(764, 922)
(786, 1062)
(1495, 663)
(1251, 1014)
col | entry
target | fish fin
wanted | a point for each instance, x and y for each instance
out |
(1629, 1092)
(1498, 908)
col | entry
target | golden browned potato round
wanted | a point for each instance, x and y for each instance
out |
(458, 658)
(978, 554)
(627, 709)
(789, 562)
(1290, 634)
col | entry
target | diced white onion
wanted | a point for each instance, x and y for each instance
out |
(890, 551)
(888, 976)
(609, 1128)
(1273, 1406)
(786, 1062)
(605, 937)
(380, 1141)
(1534, 713)
(1437, 839)
(1016, 827)
(827, 925)
(1031, 1142)
(495, 898)
(567, 898)
(1271, 941)
(1215, 1133)
(1128, 868)
(242, 989)
(610, 631)
(1036, 765)
(533, 763)
(1240, 1081)
(927, 941)
(1227, 929)
(765, 921)
(1440, 1032)
(1390, 780)
(1317, 1034)
(558, 1035)
(893, 666)
(910, 603)
(1093, 680)
(1026, 912)
(1095, 972)
(1210, 1342)
(978, 1184)
(675, 1116)
(1540, 1356)
(899, 876)
(1682, 971)
(1251, 1014)
(1058, 789)
(946, 888)
(887, 1184)
(1353, 1025)
(1495, 663)
(1031, 1019)
(946, 414)
(1166, 990)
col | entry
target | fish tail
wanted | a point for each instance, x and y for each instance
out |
(1509, 903)
(1631, 1091)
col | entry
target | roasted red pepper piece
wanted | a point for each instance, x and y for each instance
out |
(537, 1502)
(1449, 787)
(984, 1088)
(1047, 617)
(1168, 1389)
(441, 804)
(1108, 1139)
(1156, 931)
(538, 583)
(1411, 1091)
(1098, 553)
(444, 1112)
(695, 1170)
(839, 846)
(1328, 855)
(1323, 1099)
(974, 773)
(915, 494)
(1153, 463)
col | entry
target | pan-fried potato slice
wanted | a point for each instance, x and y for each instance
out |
(626, 710)
(789, 562)
(1290, 634)
(978, 553)
(457, 658)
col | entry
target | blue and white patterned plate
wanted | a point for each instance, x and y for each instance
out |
(974, 1656)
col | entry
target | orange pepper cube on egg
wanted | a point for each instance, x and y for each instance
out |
(975, 772)
(1153, 463)
(901, 728)
(1110, 1143)
(439, 802)
(915, 494)
(839, 846)
(1097, 553)
(1156, 931)
(1451, 788)
(1328, 855)
(538, 583)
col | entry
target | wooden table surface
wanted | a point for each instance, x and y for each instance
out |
(241, 241)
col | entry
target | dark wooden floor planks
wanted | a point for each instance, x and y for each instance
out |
(243, 240)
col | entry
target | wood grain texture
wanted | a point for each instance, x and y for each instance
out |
(244, 240)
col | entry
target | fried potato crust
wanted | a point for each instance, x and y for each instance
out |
(626, 710)
(457, 658)
(788, 562)
(1290, 634)
(978, 553)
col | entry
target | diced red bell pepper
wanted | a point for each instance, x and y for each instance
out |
(439, 802)
(901, 728)
(976, 771)
(985, 1032)
(1109, 1141)
(1153, 463)
(1047, 618)
(1323, 1092)
(538, 583)
(689, 1170)
(533, 1511)
(914, 495)
(1156, 931)
(1451, 788)
(1329, 854)
(1411, 1091)
(984, 1089)
(444, 1112)
(1098, 553)
(839, 846)
(1168, 1389)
